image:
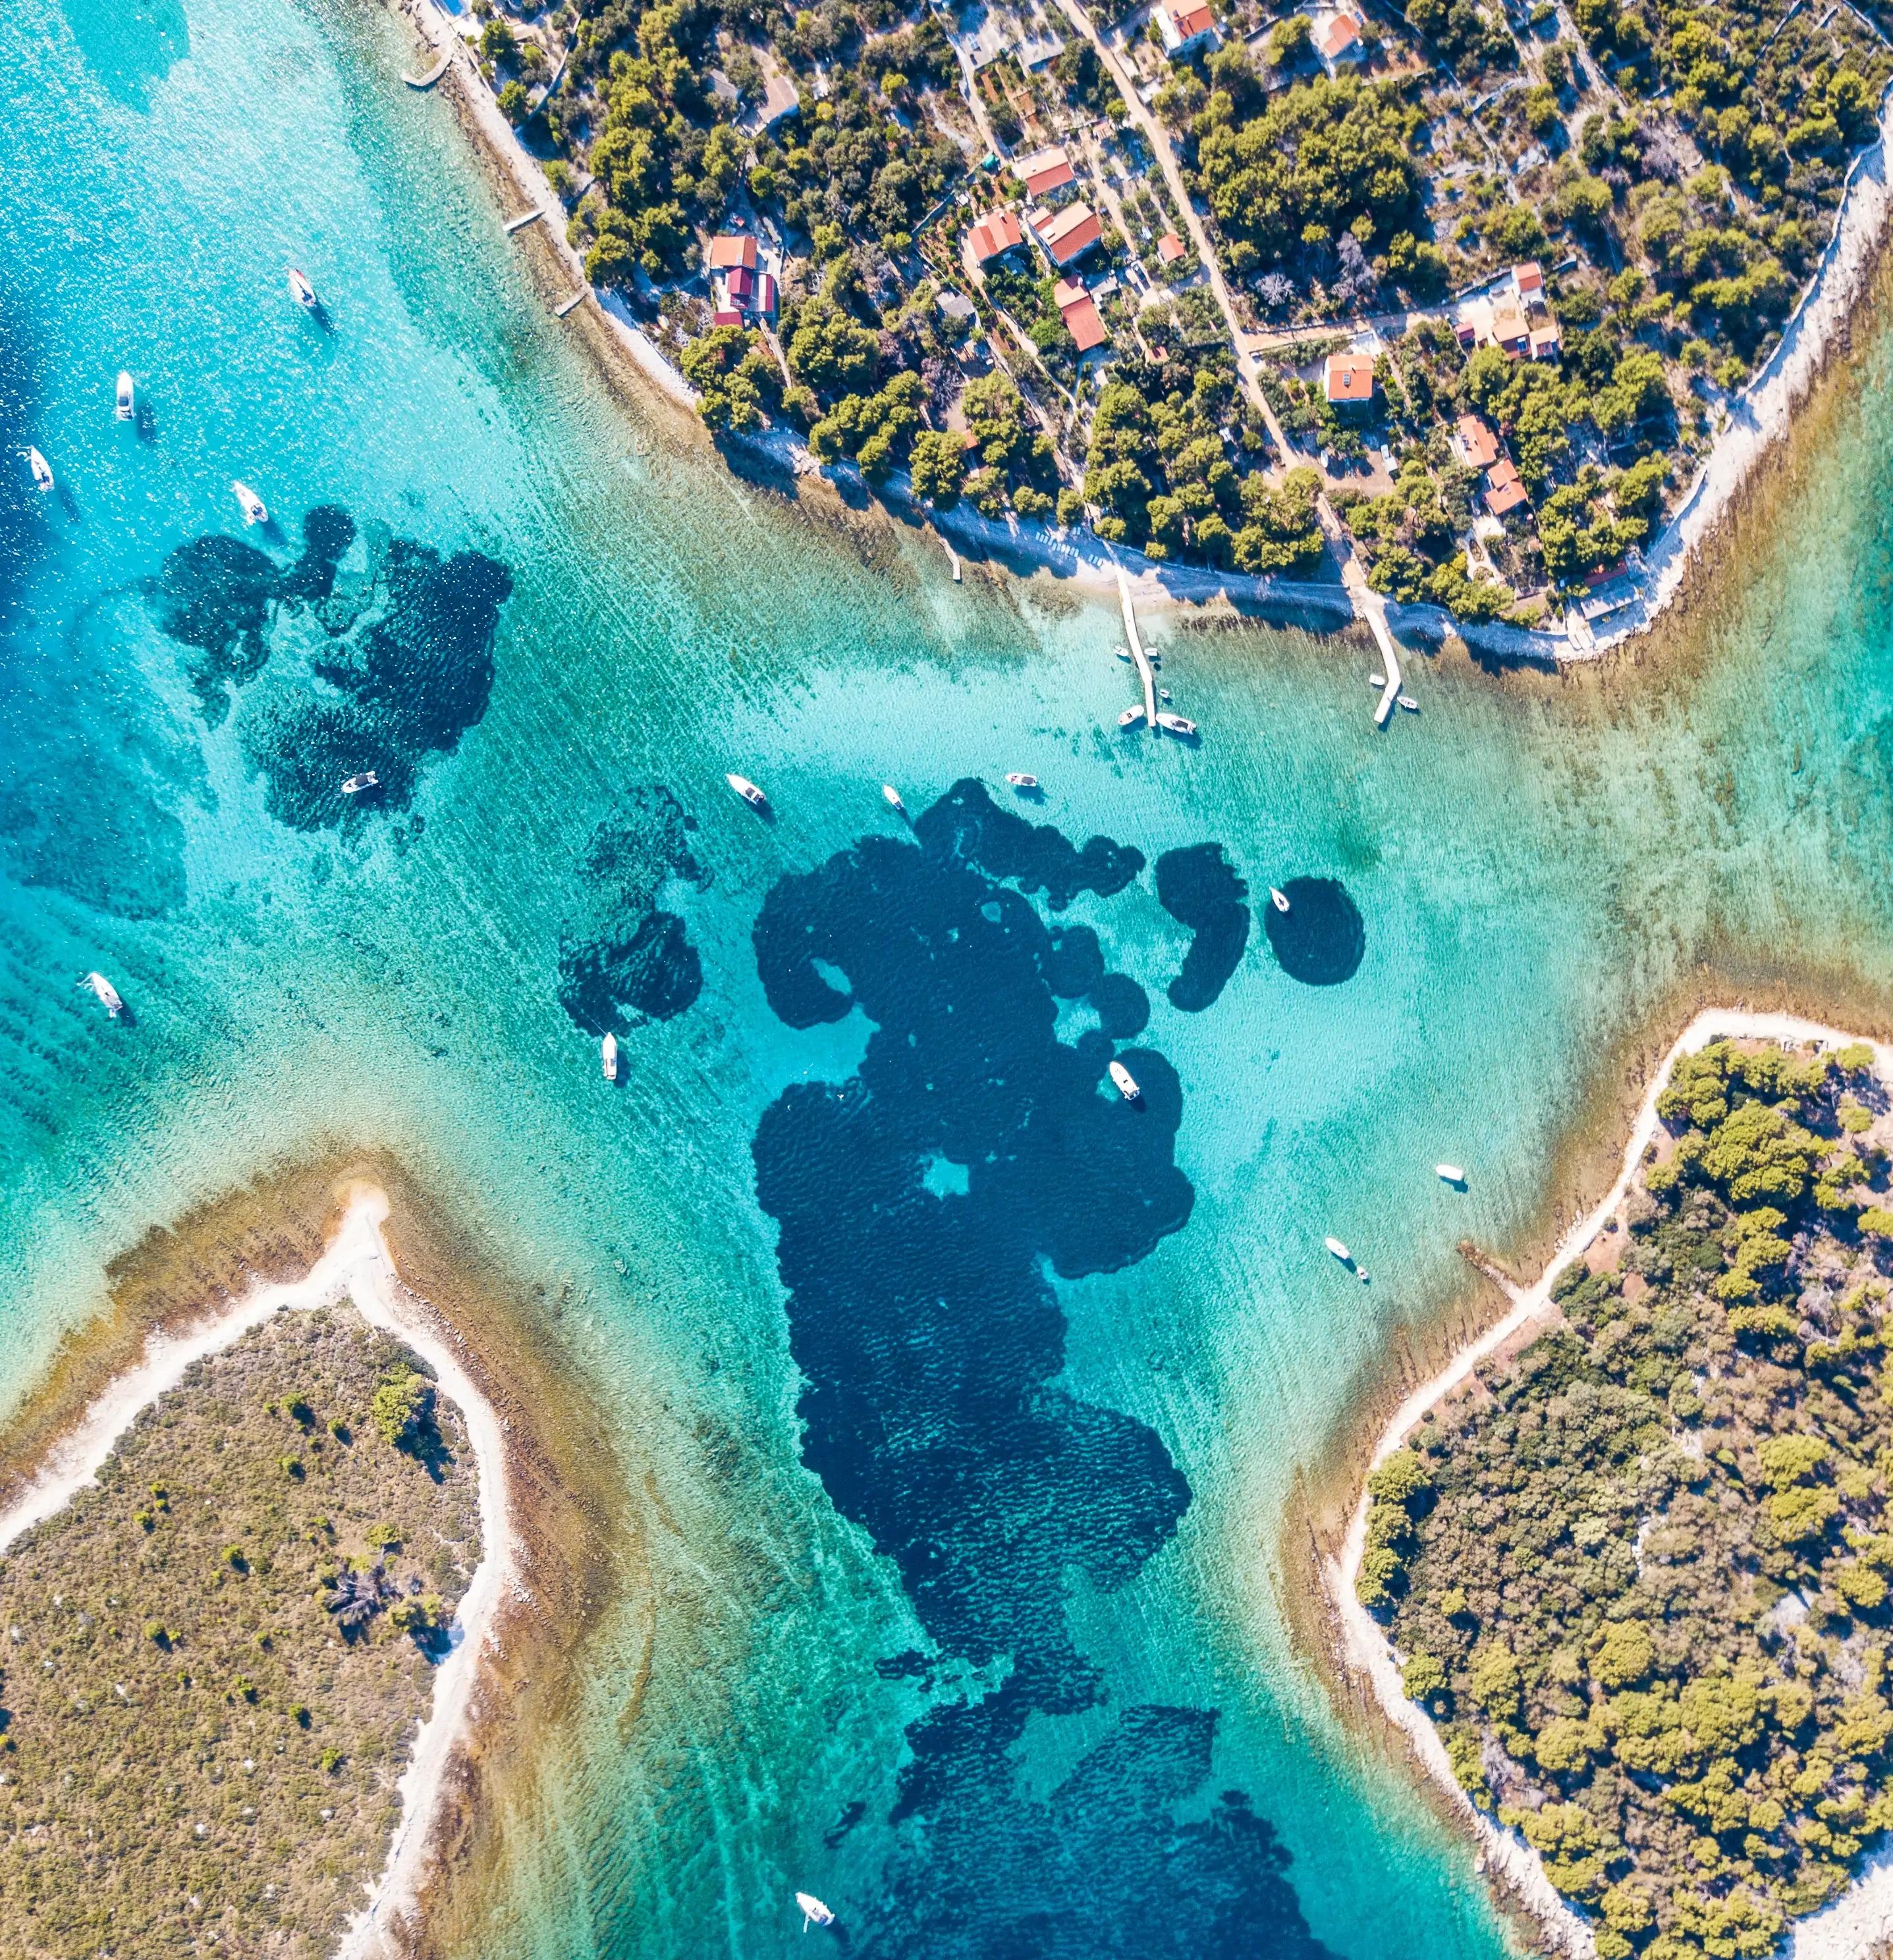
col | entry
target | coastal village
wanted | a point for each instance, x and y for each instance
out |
(1454, 301)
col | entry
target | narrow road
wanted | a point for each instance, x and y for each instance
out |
(1158, 138)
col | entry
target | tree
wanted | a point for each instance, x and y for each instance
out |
(827, 351)
(939, 467)
(402, 1408)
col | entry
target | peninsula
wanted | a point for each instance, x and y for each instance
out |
(1627, 1560)
(1481, 290)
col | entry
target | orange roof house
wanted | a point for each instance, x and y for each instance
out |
(1503, 491)
(1170, 248)
(1348, 379)
(1509, 330)
(729, 251)
(1338, 41)
(1080, 313)
(1044, 171)
(1544, 342)
(1529, 279)
(1478, 446)
(998, 231)
(1067, 234)
(1184, 25)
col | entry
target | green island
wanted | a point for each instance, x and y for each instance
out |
(1638, 1573)
(1494, 275)
(213, 1662)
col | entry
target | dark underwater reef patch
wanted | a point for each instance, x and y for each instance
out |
(1322, 938)
(622, 959)
(393, 666)
(931, 1339)
(1199, 888)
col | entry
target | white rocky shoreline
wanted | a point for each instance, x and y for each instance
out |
(358, 1268)
(1758, 417)
(1844, 1930)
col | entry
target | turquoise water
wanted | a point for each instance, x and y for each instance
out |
(1532, 862)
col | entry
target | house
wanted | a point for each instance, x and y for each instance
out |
(1066, 235)
(1347, 381)
(1509, 329)
(1080, 313)
(1527, 281)
(1337, 42)
(731, 252)
(987, 237)
(1474, 443)
(1044, 172)
(1544, 341)
(1170, 248)
(1503, 491)
(1185, 26)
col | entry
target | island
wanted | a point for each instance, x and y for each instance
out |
(1455, 299)
(1631, 1559)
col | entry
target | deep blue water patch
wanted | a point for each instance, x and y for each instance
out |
(1322, 938)
(930, 1339)
(1199, 888)
(622, 959)
(337, 675)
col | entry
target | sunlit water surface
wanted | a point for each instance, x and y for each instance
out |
(963, 1402)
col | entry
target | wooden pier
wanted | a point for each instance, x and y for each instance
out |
(1134, 640)
(525, 218)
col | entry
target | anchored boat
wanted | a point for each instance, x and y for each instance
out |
(608, 1055)
(255, 510)
(42, 469)
(1278, 899)
(302, 292)
(747, 791)
(1176, 724)
(1448, 1173)
(893, 796)
(355, 785)
(1130, 715)
(1020, 780)
(1125, 1083)
(814, 1913)
(1406, 701)
(127, 404)
(1340, 1251)
(108, 994)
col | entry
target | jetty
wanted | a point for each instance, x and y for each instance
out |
(525, 218)
(571, 305)
(433, 75)
(952, 557)
(1368, 606)
(1134, 640)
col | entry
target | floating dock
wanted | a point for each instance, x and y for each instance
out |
(1135, 642)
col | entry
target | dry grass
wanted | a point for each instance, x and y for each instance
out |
(195, 1759)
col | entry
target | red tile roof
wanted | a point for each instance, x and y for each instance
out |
(1528, 278)
(1189, 17)
(1338, 37)
(1349, 377)
(1170, 248)
(1507, 497)
(1044, 170)
(1067, 233)
(1080, 313)
(1477, 444)
(728, 251)
(997, 231)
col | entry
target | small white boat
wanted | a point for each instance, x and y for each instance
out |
(1163, 694)
(1123, 653)
(1406, 701)
(302, 292)
(1449, 1173)
(42, 469)
(355, 785)
(1340, 1251)
(1376, 680)
(893, 796)
(1125, 1083)
(1130, 715)
(255, 510)
(814, 1913)
(1278, 899)
(127, 403)
(1019, 781)
(1176, 724)
(608, 1055)
(747, 791)
(108, 994)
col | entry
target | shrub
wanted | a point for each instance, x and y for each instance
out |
(403, 1405)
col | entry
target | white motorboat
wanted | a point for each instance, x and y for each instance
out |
(108, 994)
(1278, 899)
(1163, 694)
(814, 1913)
(1406, 701)
(1125, 1083)
(255, 510)
(893, 796)
(1123, 653)
(355, 785)
(1376, 680)
(1340, 1251)
(42, 469)
(1449, 1173)
(1176, 724)
(302, 292)
(1130, 715)
(608, 1055)
(747, 791)
(127, 403)
(1019, 781)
